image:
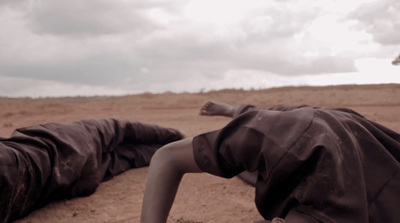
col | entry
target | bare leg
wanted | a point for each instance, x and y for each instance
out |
(167, 167)
(212, 108)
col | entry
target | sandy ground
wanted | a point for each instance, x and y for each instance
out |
(201, 197)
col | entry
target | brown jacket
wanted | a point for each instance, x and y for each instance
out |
(43, 163)
(331, 164)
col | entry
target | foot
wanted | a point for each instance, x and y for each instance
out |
(214, 108)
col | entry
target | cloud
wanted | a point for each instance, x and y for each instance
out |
(11, 3)
(381, 19)
(93, 17)
(159, 45)
(263, 40)
(121, 38)
(96, 70)
(47, 57)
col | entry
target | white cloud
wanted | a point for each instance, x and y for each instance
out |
(381, 19)
(159, 45)
(222, 12)
(91, 17)
(334, 33)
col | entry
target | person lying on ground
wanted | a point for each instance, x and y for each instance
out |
(44, 163)
(313, 164)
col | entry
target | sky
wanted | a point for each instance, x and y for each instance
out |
(118, 47)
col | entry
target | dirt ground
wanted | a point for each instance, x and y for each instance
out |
(201, 197)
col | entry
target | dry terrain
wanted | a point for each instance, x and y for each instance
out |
(201, 197)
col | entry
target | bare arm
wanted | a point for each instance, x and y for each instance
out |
(167, 167)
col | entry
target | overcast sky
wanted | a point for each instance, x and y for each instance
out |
(116, 47)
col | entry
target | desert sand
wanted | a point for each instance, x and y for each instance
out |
(201, 197)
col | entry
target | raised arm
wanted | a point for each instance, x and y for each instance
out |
(167, 167)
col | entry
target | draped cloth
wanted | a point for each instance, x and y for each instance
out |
(43, 163)
(331, 164)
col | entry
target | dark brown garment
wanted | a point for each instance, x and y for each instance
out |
(331, 164)
(48, 162)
